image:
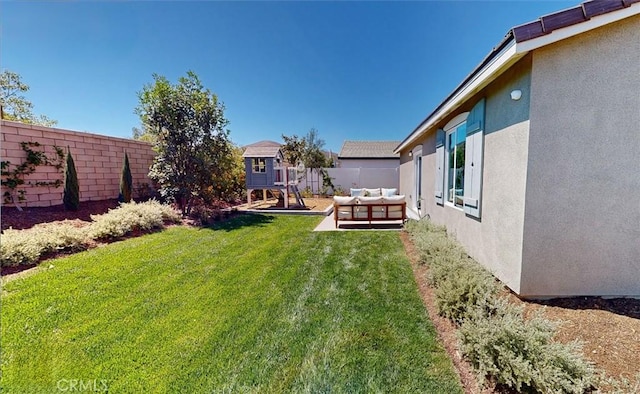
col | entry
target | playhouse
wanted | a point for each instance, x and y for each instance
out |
(266, 170)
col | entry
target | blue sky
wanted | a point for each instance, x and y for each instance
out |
(352, 70)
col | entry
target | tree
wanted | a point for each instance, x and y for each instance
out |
(126, 181)
(142, 135)
(306, 150)
(231, 186)
(315, 158)
(193, 150)
(14, 105)
(71, 196)
(294, 149)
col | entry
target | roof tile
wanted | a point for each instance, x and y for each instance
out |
(261, 151)
(561, 19)
(369, 150)
(599, 7)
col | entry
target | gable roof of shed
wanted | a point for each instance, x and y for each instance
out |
(368, 150)
(519, 41)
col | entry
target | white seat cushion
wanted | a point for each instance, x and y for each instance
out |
(393, 199)
(372, 192)
(340, 200)
(389, 192)
(369, 200)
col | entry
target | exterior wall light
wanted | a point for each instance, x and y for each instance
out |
(516, 94)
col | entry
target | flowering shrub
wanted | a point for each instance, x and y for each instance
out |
(131, 216)
(26, 246)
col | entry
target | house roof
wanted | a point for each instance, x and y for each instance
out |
(368, 150)
(261, 151)
(519, 41)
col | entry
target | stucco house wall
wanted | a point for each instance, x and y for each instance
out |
(496, 240)
(561, 165)
(582, 219)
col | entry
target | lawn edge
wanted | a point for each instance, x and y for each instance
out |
(445, 329)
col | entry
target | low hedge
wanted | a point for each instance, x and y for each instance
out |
(129, 217)
(28, 246)
(494, 336)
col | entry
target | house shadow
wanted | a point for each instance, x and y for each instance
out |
(621, 306)
(238, 221)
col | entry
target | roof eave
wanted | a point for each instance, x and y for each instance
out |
(506, 54)
(500, 59)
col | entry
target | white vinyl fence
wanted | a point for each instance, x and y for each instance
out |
(347, 178)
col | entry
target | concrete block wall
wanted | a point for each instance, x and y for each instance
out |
(98, 160)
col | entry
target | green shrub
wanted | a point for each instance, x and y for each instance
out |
(27, 246)
(520, 353)
(129, 217)
(460, 283)
(458, 296)
(126, 181)
(493, 334)
(71, 196)
(618, 386)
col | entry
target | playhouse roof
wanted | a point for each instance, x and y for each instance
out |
(261, 151)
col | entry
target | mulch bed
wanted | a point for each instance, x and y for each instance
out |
(29, 217)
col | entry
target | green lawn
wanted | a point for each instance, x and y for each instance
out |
(260, 304)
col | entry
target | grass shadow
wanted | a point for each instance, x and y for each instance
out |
(239, 221)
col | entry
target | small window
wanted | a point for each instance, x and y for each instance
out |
(455, 147)
(259, 165)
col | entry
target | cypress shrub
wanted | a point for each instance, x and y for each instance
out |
(71, 197)
(126, 182)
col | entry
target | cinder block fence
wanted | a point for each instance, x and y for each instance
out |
(98, 161)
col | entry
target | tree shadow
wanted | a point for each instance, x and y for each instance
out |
(621, 306)
(239, 221)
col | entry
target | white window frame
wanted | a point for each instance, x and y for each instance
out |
(259, 165)
(449, 129)
(417, 178)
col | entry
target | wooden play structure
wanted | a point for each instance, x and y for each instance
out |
(266, 170)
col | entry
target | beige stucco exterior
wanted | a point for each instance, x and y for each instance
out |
(561, 169)
(496, 239)
(582, 220)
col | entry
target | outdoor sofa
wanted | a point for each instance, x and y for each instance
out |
(369, 205)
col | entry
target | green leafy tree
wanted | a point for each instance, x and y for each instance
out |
(126, 181)
(306, 150)
(71, 196)
(193, 151)
(294, 149)
(231, 185)
(13, 104)
(141, 134)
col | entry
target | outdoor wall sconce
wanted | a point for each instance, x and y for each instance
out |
(516, 94)
(410, 154)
